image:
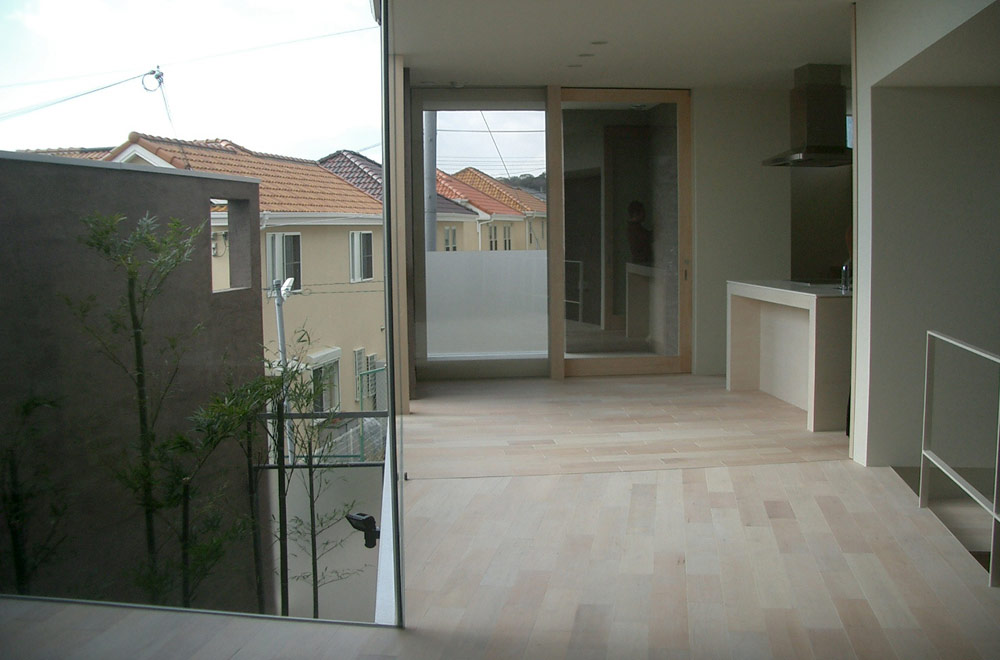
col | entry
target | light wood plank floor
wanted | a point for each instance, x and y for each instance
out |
(584, 425)
(812, 559)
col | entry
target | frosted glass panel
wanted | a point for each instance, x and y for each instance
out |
(487, 304)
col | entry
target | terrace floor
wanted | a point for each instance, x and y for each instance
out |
(706, 526)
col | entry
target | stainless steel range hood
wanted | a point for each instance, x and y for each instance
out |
(818, 120)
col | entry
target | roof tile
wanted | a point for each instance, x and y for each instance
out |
(452, 188)
(290, 185)
(87, 153)
(366, 174)
(518, 199)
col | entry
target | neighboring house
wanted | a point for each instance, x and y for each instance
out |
(534, 209)
(315, 228)
(366, 174)
(85, 153)
(499, 226)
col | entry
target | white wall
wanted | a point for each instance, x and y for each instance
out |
(741, 208)
(889, 33)
(935, 240)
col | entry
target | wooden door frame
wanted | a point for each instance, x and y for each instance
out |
(559, 365)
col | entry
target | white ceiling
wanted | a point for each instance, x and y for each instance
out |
(650, 43)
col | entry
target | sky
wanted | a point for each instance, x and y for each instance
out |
(297, 79)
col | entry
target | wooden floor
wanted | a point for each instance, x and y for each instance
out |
(585, 425)
(808, 559)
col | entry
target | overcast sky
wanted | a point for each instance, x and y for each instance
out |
(221, 80)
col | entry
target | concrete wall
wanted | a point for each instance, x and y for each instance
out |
(741, 209)
(664, 303)
(46, 352)
(889, 34)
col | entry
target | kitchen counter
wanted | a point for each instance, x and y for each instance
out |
(793, 341)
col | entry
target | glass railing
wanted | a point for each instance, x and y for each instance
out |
(487, 304)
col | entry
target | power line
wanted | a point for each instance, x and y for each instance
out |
(26, 83)
(39, 106)
(166, 106)
(274, 45)
(483, 115)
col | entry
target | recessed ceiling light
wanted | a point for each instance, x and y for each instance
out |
(598, 43)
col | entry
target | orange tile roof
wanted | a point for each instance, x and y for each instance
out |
(509, 195)
(452, 188)
(289, 185)
(364, 173)
(87, 153)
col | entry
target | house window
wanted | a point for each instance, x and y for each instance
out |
(359, 367)
(450, 244)
(506, 237)
(284, 259)
(493, 237)
(543, 230)
(326, 387)
(361, 256)
(371, 392)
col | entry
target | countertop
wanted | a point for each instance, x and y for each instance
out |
(818, 290)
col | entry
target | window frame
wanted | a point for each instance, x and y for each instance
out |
(329, 378)
(492, 233)
(507, 240)
(359, 368)
(276, 259)
(358, 259)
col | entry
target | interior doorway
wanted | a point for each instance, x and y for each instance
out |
(627, 231)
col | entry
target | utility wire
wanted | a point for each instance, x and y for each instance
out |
(483, 115)
(28, 83)
(158, 75)
(39, 106)
(275, 45)
(194, 59)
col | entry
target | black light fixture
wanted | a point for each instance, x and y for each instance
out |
(365, 523)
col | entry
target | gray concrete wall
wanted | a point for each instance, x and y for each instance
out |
(47, 353)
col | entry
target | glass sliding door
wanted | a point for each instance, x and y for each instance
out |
(626, 187)
(483, 223)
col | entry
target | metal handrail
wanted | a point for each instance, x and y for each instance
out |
(928, 457)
